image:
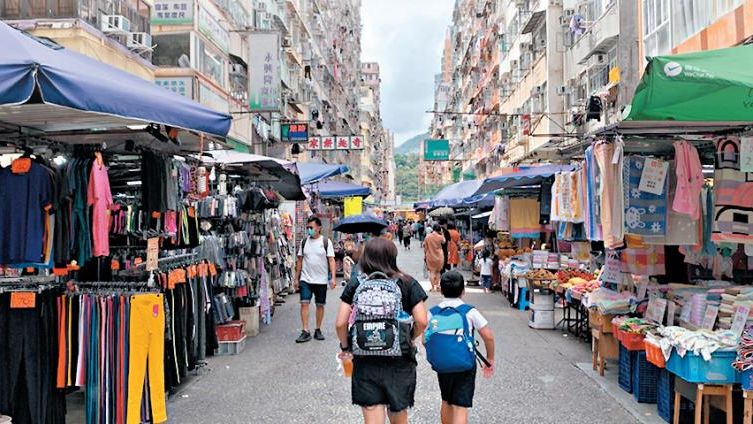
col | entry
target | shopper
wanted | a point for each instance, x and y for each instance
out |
(453, 248)
(315, 267)
(454, 362)
(445, 244)
(486, 271)
(407, 234)
(434, 255)
(383, 385)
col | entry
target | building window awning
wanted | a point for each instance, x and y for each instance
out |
(533, 22)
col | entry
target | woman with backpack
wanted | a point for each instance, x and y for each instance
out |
(379, 317)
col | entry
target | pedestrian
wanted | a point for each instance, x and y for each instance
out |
(446, 244)
(407, 236)
(434, 256)
(425, 230)
(384, 384)
(453, 248)
(449, 354)
(314, 268)
(486, 271)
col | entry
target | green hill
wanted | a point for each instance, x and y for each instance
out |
(412, 145)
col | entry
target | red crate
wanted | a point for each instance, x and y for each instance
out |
(633, 341)
(654, 354)
(230, 332)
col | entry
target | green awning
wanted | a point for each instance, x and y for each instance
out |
(707, 86)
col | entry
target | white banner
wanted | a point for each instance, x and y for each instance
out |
(264, 72)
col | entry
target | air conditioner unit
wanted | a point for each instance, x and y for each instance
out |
(115, 24)
(139, 40)
(597, 60)
(286, 42)
(562, 90)
(537, 90)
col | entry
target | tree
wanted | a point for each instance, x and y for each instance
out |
(406, 179)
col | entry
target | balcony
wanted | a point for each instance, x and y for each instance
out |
(599, 37)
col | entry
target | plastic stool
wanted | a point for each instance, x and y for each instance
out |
(523, 299)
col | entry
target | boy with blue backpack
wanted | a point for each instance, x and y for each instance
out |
(451, 348)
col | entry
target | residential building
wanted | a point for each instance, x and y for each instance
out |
(376, 161)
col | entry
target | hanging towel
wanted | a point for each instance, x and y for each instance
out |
(609, 158)
(681, 228)
(592, 215)
(645, 213)
(524, 218)
(689, 173)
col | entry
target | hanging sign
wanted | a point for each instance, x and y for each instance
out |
(295, 133)
(687, 310)
(746, 154)
(710, 317)
(526, 124)
(335, 142)
(611, 272)
(436, 149)
(152, 253)
(740, 319)
(671, 306)
(23, 300)
(356, 142)
(655, 310)
(264, 72)
(653, 176)
(172, 12)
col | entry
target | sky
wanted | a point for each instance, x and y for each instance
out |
(406, 38)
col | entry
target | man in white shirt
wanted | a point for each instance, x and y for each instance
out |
(315, 267)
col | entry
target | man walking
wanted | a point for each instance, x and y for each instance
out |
(315, 267)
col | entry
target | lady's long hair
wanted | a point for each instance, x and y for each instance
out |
(380, 255)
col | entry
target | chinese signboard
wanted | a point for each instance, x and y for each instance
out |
(436, 150)
(211, 28)
(296, 133)
(335, 142)
(180, 85)
(264, 72)
(172, 12)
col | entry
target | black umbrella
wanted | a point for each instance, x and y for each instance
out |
(361, 224)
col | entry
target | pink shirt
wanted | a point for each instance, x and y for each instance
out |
(99, 197)
(689, 180)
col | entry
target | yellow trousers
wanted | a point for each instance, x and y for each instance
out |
(146, 340)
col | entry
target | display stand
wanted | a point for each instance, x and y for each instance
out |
(705, 395)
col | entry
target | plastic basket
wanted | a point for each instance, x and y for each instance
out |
(654, 354)
(632, 341)
(693, 369)
(231, 332)
(625, 376)
(644, 379)
(665, 399)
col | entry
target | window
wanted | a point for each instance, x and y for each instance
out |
(656, 40)
(210, 62)
(170, 47)
(689, 17)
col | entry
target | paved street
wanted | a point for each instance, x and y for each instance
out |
(277, 381)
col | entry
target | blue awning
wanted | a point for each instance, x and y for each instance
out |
(479, 201)
(521, 177)
(34, 71)
(313, 172)
(331, 189)
(454, 194)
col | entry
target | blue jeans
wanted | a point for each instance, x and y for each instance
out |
(486, 281)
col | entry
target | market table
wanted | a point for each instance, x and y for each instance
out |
(704, 396)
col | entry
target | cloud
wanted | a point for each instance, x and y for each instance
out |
(406, 38)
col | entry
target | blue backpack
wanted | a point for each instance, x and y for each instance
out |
(450, 346)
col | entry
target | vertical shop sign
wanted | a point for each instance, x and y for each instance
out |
(746, 154)
(653, 176)
(211, 28)
(264, 72)
(172, 12)
(152, 253)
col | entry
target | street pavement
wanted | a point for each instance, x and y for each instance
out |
(275, 380)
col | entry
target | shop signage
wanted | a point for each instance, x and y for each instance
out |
(264, 72)
(179, 85)
(687, 310)
(436, 149)
(152, 253)
(211, 28)
(294, 132)
(656, 308)
(526, 124)
(335, 142)
(671, 306)
(653, 176)
(172, 12)
(746, 154)
(740, 319)
(710, 317)
(611, 272)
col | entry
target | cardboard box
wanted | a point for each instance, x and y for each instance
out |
(251, 316)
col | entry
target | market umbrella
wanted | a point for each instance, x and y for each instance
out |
(361, 224)
(442, 212)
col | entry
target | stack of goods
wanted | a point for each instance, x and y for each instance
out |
(553, 261)
(610, 302)
(540, 259)
(698, 309)
(732, 298)
(744, 360)
(541, 275)
(701, 342)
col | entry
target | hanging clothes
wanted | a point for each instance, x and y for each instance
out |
(609, 158)
(689, 173)
(100, 199)
(500, 213)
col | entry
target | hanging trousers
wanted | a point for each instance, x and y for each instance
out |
(147, 346)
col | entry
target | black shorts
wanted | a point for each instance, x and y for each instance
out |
(317, 291)
(384, 381)
(458, 387)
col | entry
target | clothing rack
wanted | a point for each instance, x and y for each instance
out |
(27, 279)
(168, 260)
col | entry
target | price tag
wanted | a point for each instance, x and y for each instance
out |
(671, 313)
(653, 176)
(687, 310)
(611, 272)
(746, 154)
(710, 317)
(23, 300)
(641, 291)
(656, 308)
(152, 253)
(740, 319)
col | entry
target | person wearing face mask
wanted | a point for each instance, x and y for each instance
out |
(314, 269)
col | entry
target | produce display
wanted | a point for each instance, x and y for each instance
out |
(566, 275)
(540, 274)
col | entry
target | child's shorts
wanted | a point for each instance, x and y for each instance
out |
(486, 281)
(458, 387)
